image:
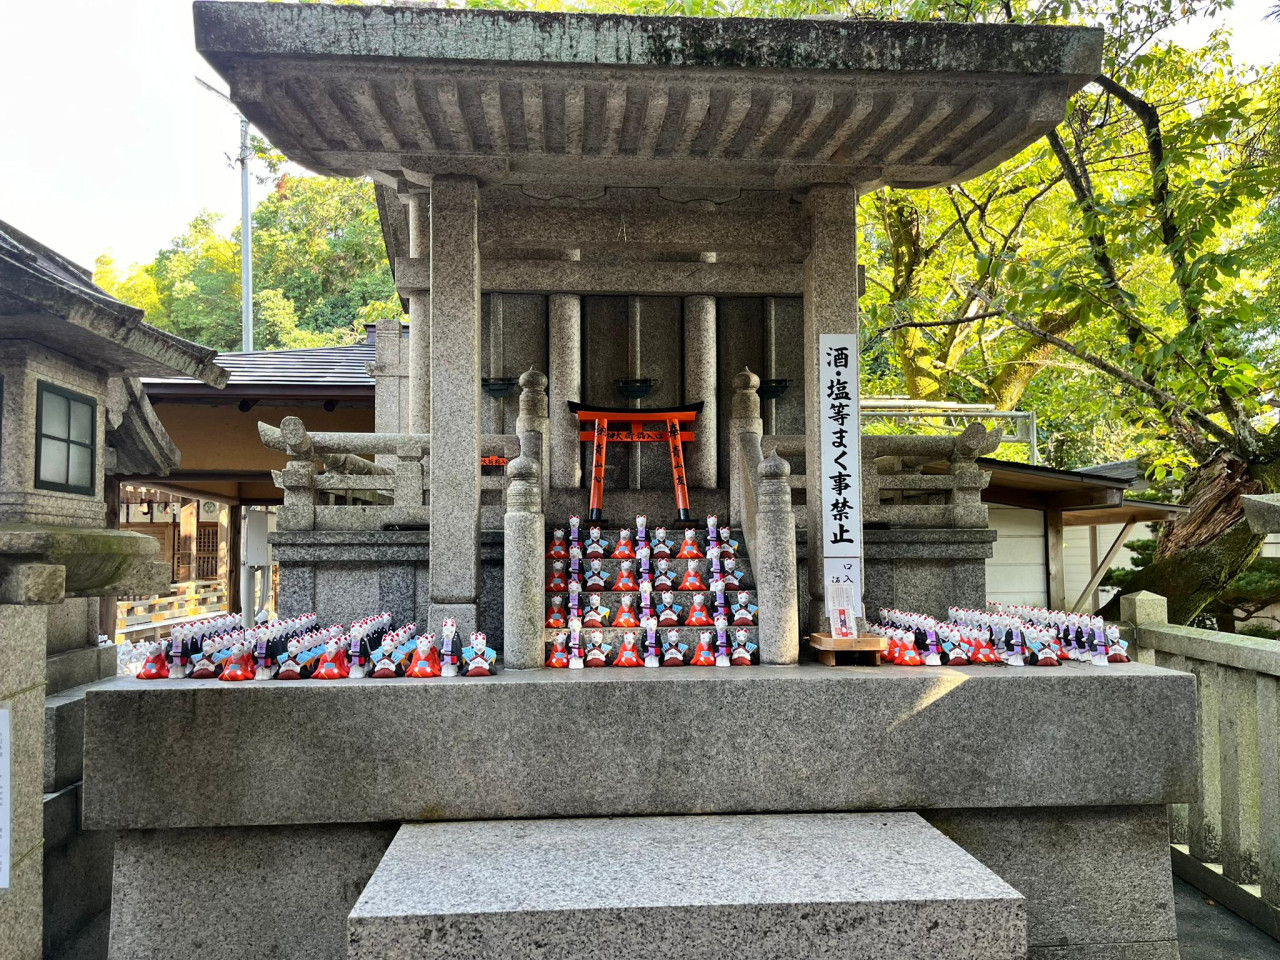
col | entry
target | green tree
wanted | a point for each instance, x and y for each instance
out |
(320, 270)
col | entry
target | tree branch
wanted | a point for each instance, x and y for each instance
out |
(1172, 237)
(1176, 408)
(916, 324)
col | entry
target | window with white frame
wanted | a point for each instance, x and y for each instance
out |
(66, 424)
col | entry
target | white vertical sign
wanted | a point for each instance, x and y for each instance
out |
(6, 802)
(841, 476)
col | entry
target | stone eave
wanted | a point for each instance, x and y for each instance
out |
(141, 444)
(95, 328)
(526, 98)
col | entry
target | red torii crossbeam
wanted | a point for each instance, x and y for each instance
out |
(670, 425)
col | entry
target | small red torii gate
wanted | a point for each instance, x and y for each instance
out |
(672, 425)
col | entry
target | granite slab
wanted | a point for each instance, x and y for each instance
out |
(678, 888)
(680, 741)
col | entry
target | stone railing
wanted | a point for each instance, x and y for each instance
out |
(396, 485)
(896, 492)
(1228, 842)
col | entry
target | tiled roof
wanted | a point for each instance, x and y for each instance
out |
(313, 371)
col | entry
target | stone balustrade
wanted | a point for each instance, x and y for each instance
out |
(896, 491)
(395, 487)
(1226, 843)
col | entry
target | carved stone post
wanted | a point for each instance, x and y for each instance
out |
(298, 481)
(744, 413)
(409, 474)
(533, 428)
(773, 558)
(522, 612)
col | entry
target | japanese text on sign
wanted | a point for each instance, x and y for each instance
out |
(841, 471)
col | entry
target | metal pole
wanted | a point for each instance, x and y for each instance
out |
(246, 241)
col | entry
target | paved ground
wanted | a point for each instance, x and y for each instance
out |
(1207, 931)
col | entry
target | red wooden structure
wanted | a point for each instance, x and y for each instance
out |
(670, 425)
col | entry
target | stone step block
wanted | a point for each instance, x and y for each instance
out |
(612, 598)
(873, 886)
(75, 668)
(688, 635)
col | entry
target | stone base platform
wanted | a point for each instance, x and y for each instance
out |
(874, 886)
(634, 742)
(993, 757)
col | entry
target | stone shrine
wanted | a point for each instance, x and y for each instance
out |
(624, 212)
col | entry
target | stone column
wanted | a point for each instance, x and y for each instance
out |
(773, 558)
(417, 419)
(564, 317)
(522, 611)
(700, 384)
(454, 401)
(532, 428)
(744, 418)
(498, 406)
(830, 306)
(770, 407)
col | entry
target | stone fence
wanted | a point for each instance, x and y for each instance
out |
(389, 471)
(1227, 843)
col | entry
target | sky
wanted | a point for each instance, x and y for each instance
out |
(107, 143)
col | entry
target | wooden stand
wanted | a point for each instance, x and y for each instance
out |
(865, 647)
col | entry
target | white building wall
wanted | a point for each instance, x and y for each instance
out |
(1016, 571)
(1078, 565)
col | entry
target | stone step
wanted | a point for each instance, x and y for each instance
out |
(688, 636)
(882, 886)
(678, 567)
(675, 536)
(612, 598)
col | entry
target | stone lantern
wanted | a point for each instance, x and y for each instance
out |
(66, 418)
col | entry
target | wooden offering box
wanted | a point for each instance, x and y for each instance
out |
(866, 648)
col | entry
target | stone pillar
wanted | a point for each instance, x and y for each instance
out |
(454, 401)
(564, 317)
(773, 558)
(830, 306)
(770, 407)
(388, 371)
(188, 525)
(417, 419)
(497, 406)
(744, 418)
(522, 593)
(23, 633)
(532, 429)
(700, 384)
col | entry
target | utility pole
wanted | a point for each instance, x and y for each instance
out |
(246, 226)
(246, 241)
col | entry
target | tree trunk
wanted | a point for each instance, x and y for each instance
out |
(1201, 552)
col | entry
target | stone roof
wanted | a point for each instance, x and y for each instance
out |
(576, 100)
(37, 283)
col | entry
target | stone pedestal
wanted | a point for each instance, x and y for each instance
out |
(925, 570)
(1077, 827)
